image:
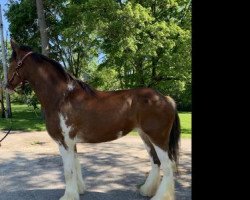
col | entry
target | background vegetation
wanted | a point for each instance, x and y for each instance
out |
(111, 44)
(115, 44)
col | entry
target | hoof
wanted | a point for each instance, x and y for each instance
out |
(147, 192)
(157, 198)
(163, 197)
(70, 196)
(82, 189)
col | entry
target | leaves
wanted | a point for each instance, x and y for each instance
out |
(144, 43)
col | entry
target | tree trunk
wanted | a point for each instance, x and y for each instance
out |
(2, 104)
(42, 27)
(43, 32)
(140, 72)
(8, 113)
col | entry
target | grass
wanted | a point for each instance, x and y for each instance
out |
(26, 119)
(186, 124)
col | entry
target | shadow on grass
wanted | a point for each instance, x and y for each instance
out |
(23, 124)
(186, 131)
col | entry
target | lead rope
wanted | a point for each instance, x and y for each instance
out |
(19, 65)
(10, 121)
(7, 132)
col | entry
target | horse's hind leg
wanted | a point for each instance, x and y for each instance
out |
(152, 182)
(80, 183)
(166, 188)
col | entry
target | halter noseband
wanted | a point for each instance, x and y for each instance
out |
(19, 65)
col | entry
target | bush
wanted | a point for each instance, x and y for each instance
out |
(25, 96)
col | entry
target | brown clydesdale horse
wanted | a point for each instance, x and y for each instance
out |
(74, 112)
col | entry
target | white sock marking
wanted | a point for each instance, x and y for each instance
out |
(69, 164)
(166, 188)
(80, 182)
(152, 182)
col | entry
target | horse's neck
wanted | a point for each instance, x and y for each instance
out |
(48, 86)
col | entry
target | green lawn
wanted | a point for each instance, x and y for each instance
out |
(26, 119)
(186, 124)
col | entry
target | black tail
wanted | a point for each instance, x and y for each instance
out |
(173, 151)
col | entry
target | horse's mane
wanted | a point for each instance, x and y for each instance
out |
(58, 67)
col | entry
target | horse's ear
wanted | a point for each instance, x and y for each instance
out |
(14, 45)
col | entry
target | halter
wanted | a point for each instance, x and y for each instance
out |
(19, 65)
(16, 73)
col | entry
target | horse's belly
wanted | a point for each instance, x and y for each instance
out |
(101, 128)
(98, 137)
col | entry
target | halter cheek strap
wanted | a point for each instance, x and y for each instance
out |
(19, 65)
(20, 62)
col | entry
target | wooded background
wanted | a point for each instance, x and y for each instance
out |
(113, 44)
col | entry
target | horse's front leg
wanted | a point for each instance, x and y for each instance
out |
(70, 172)
(80, 182)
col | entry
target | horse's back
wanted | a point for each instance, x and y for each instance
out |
(140, 101)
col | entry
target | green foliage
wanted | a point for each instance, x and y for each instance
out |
(105, 79)
(143, 43)
(148, 47)
(69, 43)
(23, 22)
(26, 96)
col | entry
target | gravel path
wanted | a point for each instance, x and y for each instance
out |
(31, 168)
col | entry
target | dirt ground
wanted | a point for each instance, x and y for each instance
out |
(31, 168)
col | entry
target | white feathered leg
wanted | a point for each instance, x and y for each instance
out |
(71, 191)
(69, 163)
(166, 188)
(80, 183)
(152, 182)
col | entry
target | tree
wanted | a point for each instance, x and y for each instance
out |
(142, 43)
(69, 43)
(147, 42)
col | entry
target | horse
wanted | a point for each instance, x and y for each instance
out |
(77, 113)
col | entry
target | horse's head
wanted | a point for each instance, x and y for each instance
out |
(17, 65)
